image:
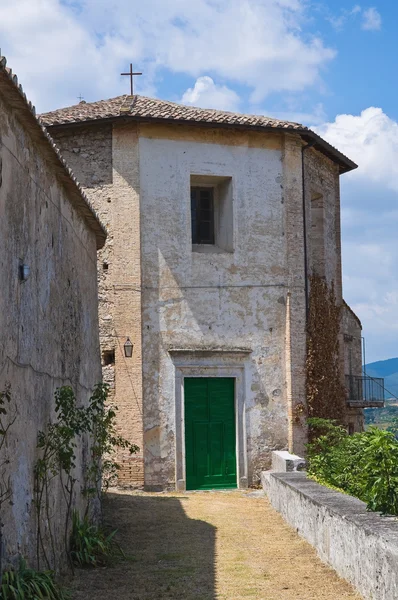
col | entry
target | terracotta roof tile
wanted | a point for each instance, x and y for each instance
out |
(142, 108)
(13, 91)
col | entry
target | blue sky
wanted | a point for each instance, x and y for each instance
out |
(330, 65)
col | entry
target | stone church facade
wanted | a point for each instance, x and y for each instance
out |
(216, 221)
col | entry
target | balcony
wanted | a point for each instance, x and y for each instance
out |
(364, 391)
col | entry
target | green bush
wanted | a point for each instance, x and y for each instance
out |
(28, 584)
(364, 465)
(90, 546)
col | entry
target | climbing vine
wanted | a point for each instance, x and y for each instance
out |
(7, 420)
(325, 390)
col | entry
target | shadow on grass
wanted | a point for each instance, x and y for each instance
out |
(168, 555)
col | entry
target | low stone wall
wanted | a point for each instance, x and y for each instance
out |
(361, 546)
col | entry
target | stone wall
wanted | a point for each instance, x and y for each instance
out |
(323, 218)
(362, 546)
(48, 323)
(322, 184)
(352, 345)
(105, 161)
(296, 318)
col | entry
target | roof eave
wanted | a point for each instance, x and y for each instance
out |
(345, 164)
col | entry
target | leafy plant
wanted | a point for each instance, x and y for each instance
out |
(58, 446)
(103, 469)
(28, 584)
(90, 546)
(364, 465)
(393, 427)
(380, 471)
(58, 459)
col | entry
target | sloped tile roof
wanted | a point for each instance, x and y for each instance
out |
(150, 109)
(14, 94)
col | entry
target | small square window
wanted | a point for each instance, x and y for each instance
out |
(108, 358)
(202, 215)
(212, 213)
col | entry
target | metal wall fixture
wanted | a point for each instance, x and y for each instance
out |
(128, 348)
(23, 272)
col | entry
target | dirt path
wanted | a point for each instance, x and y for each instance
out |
(207, 546)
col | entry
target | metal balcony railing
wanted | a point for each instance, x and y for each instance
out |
(364, 391)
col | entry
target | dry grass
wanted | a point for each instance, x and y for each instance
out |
(207, 546)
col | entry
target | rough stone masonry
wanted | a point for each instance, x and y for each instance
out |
(48, 317)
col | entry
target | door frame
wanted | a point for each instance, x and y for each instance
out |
(191, 365)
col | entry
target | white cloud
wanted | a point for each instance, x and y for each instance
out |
(338, 22)
(60, 49)
(371, 20)
(371, 140)
(208, 94)
(54, 55)
(369, 199)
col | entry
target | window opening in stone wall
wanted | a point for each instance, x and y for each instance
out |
(212, 213)
(202, 215)
(108, 357)
(105, 266)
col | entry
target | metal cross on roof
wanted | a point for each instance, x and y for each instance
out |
(131, 75)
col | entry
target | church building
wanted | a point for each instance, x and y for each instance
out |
(216, 221)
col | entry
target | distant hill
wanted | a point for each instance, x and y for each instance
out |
(387, 369)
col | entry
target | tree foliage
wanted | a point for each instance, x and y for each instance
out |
(364, 465)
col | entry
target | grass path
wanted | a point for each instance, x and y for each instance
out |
(207, 546)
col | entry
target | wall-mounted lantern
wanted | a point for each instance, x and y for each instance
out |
(128, 348)
(24, 272)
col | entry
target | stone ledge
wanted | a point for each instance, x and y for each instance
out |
(361, 546)
(284, 462)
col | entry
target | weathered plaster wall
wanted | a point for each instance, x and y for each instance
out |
(352, 331)
(323, 212)
(48, 324)
(213, 299)
(105, 161)
(88, 152)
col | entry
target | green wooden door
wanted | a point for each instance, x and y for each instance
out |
(210, 432)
